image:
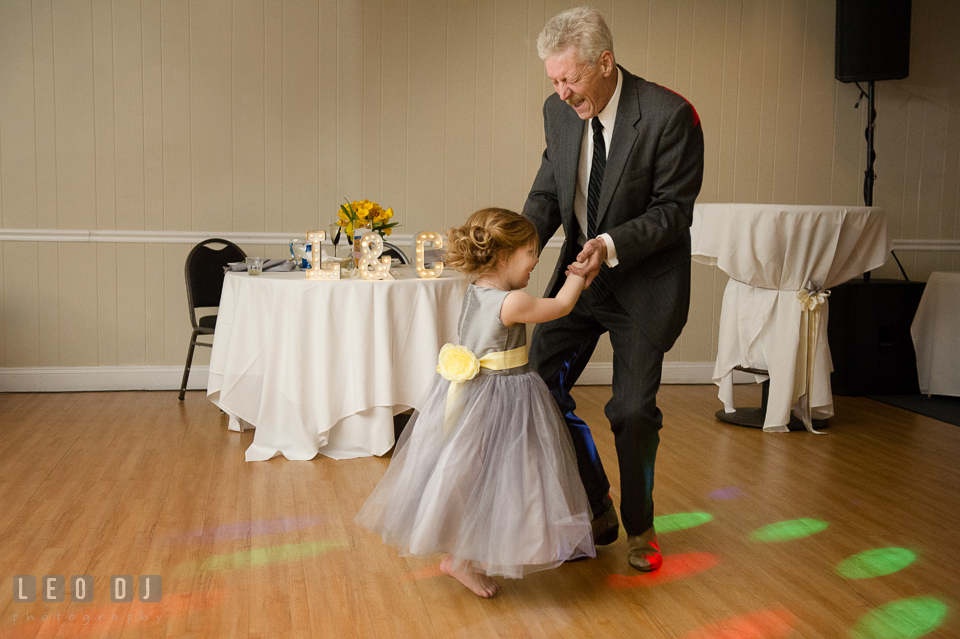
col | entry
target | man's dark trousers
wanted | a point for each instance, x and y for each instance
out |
(561, 349)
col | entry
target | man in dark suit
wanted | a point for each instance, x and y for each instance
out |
(621, 170)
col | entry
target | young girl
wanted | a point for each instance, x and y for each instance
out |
(485, 470)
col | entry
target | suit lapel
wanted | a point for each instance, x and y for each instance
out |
(624, 137)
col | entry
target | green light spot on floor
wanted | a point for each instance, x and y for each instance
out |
(902, 619)
(680, 521)
(786, 530)
(875, 563)
(256, 557)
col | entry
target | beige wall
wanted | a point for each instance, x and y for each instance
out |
(262, 115)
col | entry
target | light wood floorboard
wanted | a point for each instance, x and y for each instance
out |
(140, 484)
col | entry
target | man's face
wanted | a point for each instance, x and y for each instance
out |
(586, 88)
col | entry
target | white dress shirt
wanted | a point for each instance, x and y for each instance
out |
(608, 117)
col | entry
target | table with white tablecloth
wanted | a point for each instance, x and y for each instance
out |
(322, 366)
(936, 335)
(772, 253)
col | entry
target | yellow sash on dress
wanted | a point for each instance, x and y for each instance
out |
(498, 361)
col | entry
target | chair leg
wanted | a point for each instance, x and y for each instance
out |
(186, 368)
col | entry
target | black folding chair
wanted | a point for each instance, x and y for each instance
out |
(395, 253)
(203, 273)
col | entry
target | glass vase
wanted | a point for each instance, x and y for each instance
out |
(359, 231)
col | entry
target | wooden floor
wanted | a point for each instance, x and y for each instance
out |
(140, 484)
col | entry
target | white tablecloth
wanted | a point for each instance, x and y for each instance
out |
(322, 366)
(771, 252)
(936, 335)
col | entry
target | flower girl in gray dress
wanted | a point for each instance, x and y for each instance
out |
(485, 470)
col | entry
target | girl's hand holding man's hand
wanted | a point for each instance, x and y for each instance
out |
(588, 262)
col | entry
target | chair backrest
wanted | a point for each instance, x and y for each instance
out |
(203, 273)
(394, 251)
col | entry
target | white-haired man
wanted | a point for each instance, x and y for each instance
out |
(622, 167)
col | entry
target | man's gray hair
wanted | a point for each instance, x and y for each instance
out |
(581, 27)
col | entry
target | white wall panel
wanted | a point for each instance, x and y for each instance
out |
(103, 112)
(45, 119)
(18, 139)
(248, 115)
(128, 115)
(177, 130)
(261, 116)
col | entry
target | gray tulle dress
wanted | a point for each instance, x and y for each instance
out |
(499, 490)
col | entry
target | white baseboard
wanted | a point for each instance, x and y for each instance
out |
(128, 378)
(51, 379)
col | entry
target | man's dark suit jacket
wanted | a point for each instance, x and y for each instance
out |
(653, 175)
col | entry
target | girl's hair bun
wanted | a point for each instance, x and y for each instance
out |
(489, 235)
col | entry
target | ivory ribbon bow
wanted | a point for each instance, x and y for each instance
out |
(811, 298)
(458, 364)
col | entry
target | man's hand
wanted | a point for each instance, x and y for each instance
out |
(588, 262)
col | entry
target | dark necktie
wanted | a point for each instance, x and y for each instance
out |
(596, 177)
(599, 286)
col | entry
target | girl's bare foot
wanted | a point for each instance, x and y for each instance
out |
(479, 583)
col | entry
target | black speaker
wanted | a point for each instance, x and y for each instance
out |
(873, 40)
(869, 333)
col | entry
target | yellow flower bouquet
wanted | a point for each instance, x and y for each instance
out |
(361, 213)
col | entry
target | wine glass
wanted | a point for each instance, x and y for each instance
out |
(335, 231)
(298, 248)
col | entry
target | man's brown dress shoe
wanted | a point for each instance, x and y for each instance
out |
(605, 527)
(643, 551)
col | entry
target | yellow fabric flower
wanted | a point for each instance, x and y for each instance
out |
(457, 363)
(809, 300)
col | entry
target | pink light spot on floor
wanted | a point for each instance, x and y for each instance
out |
(79, 620)
(423, 573)
(675, 567)
(730, 492)
(761, 624)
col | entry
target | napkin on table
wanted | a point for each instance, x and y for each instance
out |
(278, 264)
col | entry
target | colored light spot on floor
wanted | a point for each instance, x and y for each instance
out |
(730, 492)
(762, 624)
(243, 529)
(675, 567)
(422, 573)
(290, 552)
(135, 618)
(875, 563)
(257, 557)
(787, 530)
(680, 521)
(901, 619)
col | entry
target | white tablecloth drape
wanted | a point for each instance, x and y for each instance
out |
(322, 366)
(771, 252)
(936, 335)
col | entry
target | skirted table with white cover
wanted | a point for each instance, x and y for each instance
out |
(775, 255)
(936, 335)
(323, 366)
